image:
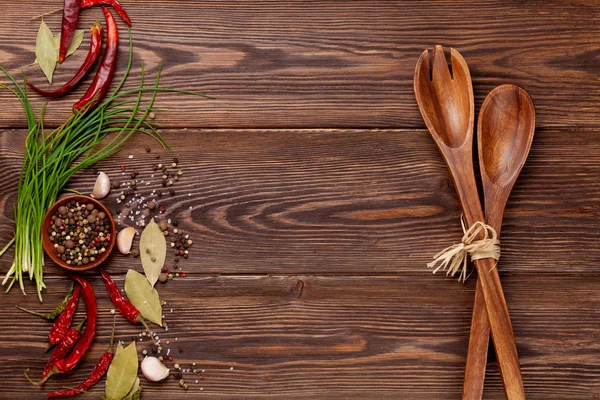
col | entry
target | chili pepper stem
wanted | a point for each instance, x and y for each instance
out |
(112, 336)
(40, 383)
(33, 312)
(143, 322)
(45, 14)
(52, 315)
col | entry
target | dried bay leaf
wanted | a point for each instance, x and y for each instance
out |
(75, 43)
(135, 392)
(153, 251)
(143, 296)
(46, 54)
(122, 373)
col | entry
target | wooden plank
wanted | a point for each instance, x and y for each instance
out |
(346, 201)
(331, 64)
(298, 337)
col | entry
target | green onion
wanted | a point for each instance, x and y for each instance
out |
(51, 160)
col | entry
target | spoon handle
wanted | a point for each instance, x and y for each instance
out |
(460, 163)
(479, 338)
(479, 341)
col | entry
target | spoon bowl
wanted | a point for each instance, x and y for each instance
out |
(505, 131)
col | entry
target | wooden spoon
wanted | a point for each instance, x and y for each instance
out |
(504, 135)
(447, 106)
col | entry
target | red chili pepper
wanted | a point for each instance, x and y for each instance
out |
(69, 24)
(98, 372)
(63, 347)
(125, 307)
(96, 33)
(102, 79)
(82, 346)
(113, 3)
(62, 324)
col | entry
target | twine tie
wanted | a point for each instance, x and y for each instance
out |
(454, 258)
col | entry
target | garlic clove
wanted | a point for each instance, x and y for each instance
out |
(153, 369)
(101, 187)
(125, 239)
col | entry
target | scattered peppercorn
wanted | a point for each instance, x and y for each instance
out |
(148, 149)
(162, 277)
(151, 205)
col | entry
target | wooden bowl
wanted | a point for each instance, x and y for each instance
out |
(49, 246)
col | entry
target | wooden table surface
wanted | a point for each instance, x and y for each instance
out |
(315, 197)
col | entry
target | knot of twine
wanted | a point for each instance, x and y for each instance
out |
(454, 258)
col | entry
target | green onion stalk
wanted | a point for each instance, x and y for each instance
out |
(87, 137)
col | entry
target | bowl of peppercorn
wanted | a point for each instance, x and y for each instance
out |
(78, 233)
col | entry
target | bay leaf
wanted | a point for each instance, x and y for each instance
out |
(75, 44)
(153, 251)
(143, 296)
(135, 392)
(122, 373)
(45, 52)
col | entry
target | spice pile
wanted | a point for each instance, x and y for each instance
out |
(80, 233)
(51, 159)
(141, 301)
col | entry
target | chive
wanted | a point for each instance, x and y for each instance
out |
(85, 138)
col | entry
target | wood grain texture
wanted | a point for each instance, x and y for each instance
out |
(312, 64)
(361, 316)
(349, 202)
(300, 336)
(307, 270)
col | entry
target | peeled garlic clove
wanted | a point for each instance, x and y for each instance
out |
(125, 239)
(101, 187)
(153, 369)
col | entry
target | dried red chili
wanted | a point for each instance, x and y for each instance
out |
(62, 324)
(98, 372)
(68, 363)
(63, 348)
(124, 306)
(52, 315)
(70, 17)
(113, 3)
(105, 72)
(96, 33)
